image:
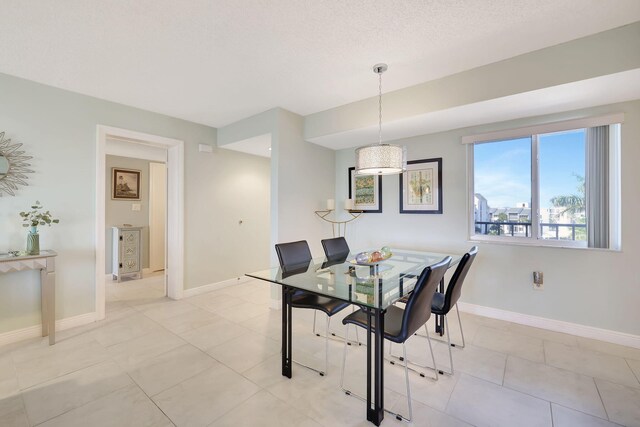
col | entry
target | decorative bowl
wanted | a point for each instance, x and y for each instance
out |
(354, 262)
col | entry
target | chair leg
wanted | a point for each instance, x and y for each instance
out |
(446, 325)
(350, 393)
(357, 341)
(461, 332)
(353, 309)
(311, 368)
(321, 372)
(404, 359)
(449, 345)
(315, 312)
(406, 376)
(326, 347)
(460, 323)
(344, 357)
(435, 368)
(337, 337)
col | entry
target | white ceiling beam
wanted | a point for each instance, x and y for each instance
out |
(607, 53)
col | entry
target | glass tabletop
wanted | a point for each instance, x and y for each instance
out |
(358, 284)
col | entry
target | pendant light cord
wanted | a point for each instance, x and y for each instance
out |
(380, 108)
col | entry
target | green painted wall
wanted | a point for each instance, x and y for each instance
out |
(585, 286)
(58, 128)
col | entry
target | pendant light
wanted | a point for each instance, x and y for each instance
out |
(380, 159)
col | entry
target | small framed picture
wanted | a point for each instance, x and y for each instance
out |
(365, 191)
(125, 184)
(421, 187)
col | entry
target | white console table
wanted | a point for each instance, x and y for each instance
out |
(46, 263)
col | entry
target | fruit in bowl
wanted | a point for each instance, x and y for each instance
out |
(373, 257)
(376, 256)
(363, 257)
(386, 252)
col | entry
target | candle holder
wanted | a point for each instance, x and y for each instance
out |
(340, 225)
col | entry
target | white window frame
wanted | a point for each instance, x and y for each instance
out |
(533, 132)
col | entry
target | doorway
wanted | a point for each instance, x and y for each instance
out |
(157, 216)
(129, 144)
(135, 220)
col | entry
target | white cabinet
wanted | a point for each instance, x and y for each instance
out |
(127, 252)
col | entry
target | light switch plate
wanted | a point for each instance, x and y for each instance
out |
(204, 148)
(135, 207)
(538, 280)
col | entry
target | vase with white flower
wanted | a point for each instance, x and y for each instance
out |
(32, 219)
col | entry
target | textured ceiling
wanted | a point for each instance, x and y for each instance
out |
(215, 62)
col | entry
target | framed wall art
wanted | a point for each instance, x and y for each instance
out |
(421, 187)
(13, 166)
(125, 184)
(365, 191)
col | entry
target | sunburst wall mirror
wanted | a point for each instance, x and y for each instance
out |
(13, 166)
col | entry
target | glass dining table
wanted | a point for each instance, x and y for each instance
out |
(373, 288)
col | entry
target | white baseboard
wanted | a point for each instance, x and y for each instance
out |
(36, 330)
(145, 272)
(584, 331)
(72, 322)
(214, 286)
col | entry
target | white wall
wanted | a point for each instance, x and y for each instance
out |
(58, 128)
(222, 246)
(302, 176)
(306, 179)
(590, 287)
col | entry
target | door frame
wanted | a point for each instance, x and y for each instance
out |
(174, 268)
(152, 214)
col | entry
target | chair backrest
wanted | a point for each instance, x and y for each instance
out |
(293, 253)
(418, 308)
(293, 270)
(454, 289)
(336, 248)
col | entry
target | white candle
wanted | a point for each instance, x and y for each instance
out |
(331, 204)
(332, 278)
(348, 204)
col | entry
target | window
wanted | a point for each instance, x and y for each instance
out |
(562, 209)
(555, 185)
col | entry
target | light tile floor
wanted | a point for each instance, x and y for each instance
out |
(214, 360)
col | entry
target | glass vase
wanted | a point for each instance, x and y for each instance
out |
(33, 242)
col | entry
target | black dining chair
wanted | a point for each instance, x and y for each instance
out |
(296, 256)
(444, 302)
(400, 324)
(335, 249)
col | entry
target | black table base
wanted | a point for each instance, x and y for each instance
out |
(375, 412)
(375, 370)
(286, 331)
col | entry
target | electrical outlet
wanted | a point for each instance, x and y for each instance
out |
(538, 280)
